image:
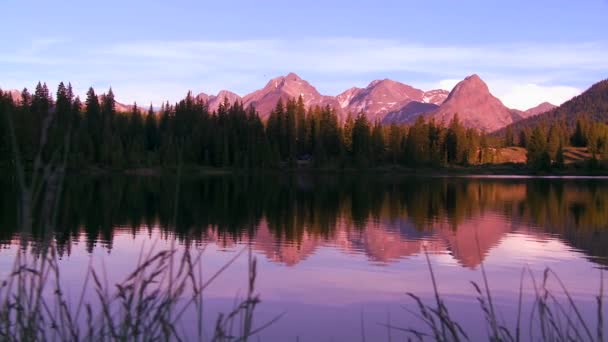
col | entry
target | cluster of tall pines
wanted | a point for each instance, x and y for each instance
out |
(94, 133)
(545, 143)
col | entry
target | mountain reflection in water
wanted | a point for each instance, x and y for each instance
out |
(288, 218)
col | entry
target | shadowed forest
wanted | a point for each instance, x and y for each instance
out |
(94, 134)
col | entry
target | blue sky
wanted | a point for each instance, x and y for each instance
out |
(527, 51)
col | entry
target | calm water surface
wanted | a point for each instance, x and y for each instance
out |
(337, 255)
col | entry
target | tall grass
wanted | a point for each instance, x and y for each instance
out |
(554, 315)
(149, 304)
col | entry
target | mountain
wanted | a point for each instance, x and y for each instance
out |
(475, 105)
(386, 101)
(409, 112)
(379, 98)
(382, 97)
(121, 107)
(286, 87)
(541, 108)
(214, 101)
(346, 97)
(14, 93)
(592, 103)
(436, 97)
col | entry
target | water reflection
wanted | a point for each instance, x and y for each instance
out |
(288, 219)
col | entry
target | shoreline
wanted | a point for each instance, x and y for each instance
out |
(493, 171)
(479, 171)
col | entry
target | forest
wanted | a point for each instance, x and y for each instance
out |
(62, 128)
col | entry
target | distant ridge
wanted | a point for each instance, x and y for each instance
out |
(592, 103)
(384, 101)
(541, 108)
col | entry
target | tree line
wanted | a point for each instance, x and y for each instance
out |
(545, 142)
(94, 133)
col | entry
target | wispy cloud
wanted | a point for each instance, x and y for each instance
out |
(543, 71)
(366, 55)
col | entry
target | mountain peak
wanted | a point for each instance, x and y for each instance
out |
(283, 81)
(475, 105)
(387, 82)
(227, 93)
(292, 76)
(472, 85)
(379, 98)
(473, 77)
(286, 87)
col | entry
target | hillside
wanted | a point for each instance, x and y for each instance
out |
(593, 103)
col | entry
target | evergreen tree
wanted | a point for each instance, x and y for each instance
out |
(395, 143)
(418, 144)
(136, 137)
(290, 131)
(301, 127)
(152, 134)
(361, 141)
(579, 138)
(554, 141)
(347, 133)
(378, 148)
(455, 142)
(93, 124)
(537, 152)
(559, 158)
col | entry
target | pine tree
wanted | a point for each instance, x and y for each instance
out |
(347, 133)
(579, 138)
(559, 158)
(361, 141)
(60, 128)
(378, 145)
(136, 137)
(152, 135)
(524, 137)
(455, 142)
(554, 141)
(94, 124)
(7, 108)
(394, 143)
(537, 152)
(301, 127)
(290, 131)
(418, 143)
